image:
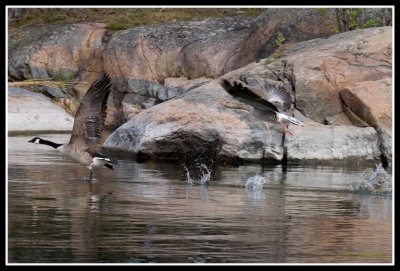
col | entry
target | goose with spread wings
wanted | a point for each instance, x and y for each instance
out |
(89, 120)
(268, 102)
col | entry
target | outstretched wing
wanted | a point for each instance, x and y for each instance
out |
(279, 96)
(247, 94)
(269, 97)
(89, 119)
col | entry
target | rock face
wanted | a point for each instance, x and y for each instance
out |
(57, 52)
(28, 111)
(141, 59)
(293, 23)
(319, 69)
(316, 93)
(209, 47)
(326, 142)
(166, 86)
(194, 125)
(191, 49)
(372, 102)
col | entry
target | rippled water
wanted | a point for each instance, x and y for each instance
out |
(163, 213)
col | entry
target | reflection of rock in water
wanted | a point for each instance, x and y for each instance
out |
(374, 182)
(201, 172)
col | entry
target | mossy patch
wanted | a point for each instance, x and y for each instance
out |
(124, 18)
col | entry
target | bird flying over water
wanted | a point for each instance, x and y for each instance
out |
(89, 120)
(268, 102)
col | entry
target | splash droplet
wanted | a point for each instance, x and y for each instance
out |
(255, 182)
(375, 182)
(204, 175)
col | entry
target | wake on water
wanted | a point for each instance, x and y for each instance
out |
(255, 182)
(377, 181)
(204, 174)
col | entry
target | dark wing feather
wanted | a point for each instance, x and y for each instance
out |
(247, 94)
(264, 115)
(95, 152)
(89, 119)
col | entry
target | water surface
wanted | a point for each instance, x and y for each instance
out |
(150, 213)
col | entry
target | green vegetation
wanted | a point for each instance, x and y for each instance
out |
(174, 70)
(201, 73)
(115, 25)
(336, 29)
(64, 77)
(124, 18)
(67, 106)
(280, 39)
(30, 84)
(63, 80)
(353, 15)
(272, 58)
(50, 18)
(321, 11)
(370, 23)
(355, 18)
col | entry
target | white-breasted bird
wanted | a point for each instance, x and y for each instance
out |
(267, 102)
(89, 120)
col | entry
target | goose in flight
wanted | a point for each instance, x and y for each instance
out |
(268, 102)
(85, 139)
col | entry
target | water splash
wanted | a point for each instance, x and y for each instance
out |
(204, 174)
(377, 181)
(255, 182)
(189, 179)
(254, 186)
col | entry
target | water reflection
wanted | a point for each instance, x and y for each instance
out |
(143, 213)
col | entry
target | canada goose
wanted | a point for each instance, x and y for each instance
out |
(268, 102)
(88, 125)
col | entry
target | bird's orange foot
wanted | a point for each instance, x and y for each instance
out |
(289, 132)
(286, 130)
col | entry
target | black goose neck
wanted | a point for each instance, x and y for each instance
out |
(50, 143)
